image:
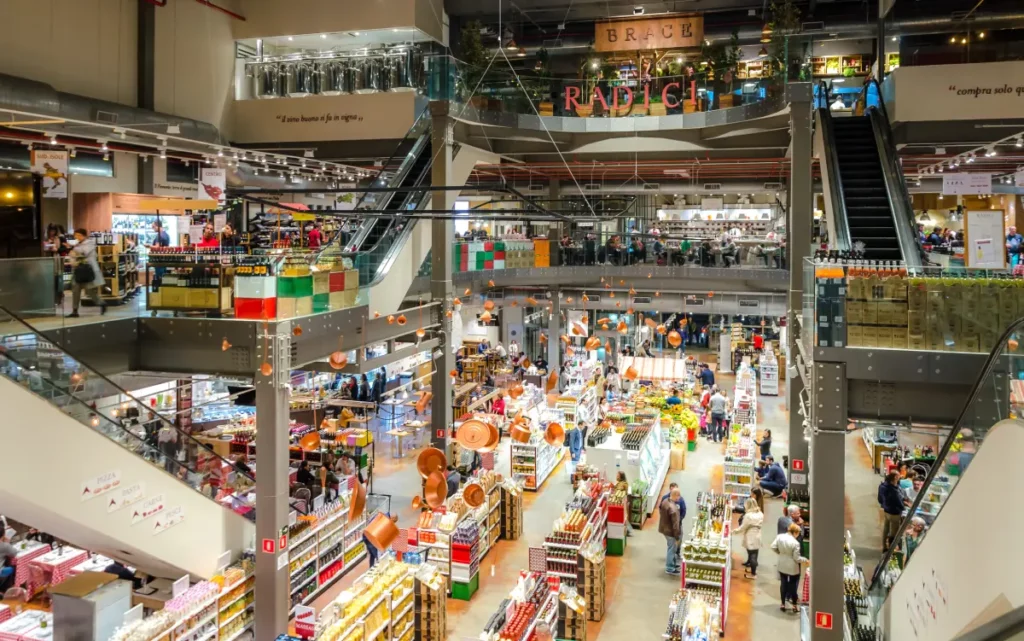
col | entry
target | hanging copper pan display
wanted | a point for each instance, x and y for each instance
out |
(552, 382)
(520, 434)
(473, 434)
(310, 442)
(381, 532)
(554, 435)
(431, 460)
(593, 343)
(358, 504)
(436, 490)
(674, 339)
(631, 373)
(421, 405)
(622, 327)
(417, 502)
(531, 300)
(494, 437)
(485, 317)
(338, 360)
(543, 338)
(473, 495)
(661, 329)
(488, 305)
(604, 321)
(516, 391)
(650, 322)
(566, 339)
(526, 363)
(402, 320)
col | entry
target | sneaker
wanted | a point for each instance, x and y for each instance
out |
(73, 315)
(103, 309)
(676, 572)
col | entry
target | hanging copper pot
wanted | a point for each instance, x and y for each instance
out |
(391, 319)
(431, 460)
(358, 503)
(467, 292)
(579, 329)
(566, 339)
(622, 327)
(593, 343)
(516, 391)
(526, 363)
(586, 299)
(630, 310)
(631, 373)
(657, 294)
(650, 322)
(569, 351)
(661, 329)
(225, 345)
(401, 320)
(473, 434)
(674, 339)
(608, 345)
(584, 320)
(473, 495)
(454, 373)
(436, 489)
(611, 294)
(485, 317)
(604, 326)
(490, 283)
(420, 333)
(514, 303)
(554, 435)
(297, 331)
(456, 301)
(494, 437)
(543, 338)
(266, 369)
(417, 502)
(520, 434)
(338, 360)
(531, 300)
(619, 305)
(488, 304)
(381, 532)
(552, 382)
(425, 398)
(376, 314)
(650, 274)
(632, 292)
(569, 300)
(310, 442)
(604, 321)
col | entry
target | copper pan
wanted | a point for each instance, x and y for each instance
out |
(431, 460)
(358, 504)
(473, 434)
(473, 495)
(421, 405)
(593, 343)
(310, 442)
(436, 490)
(417, 502)
(631, 373)
(552, 381)
(520, 434)
(526, 363)
(516, 391)
(675, 339)
(381, 532)
(494, 437)
(554, 435)
(650, 322)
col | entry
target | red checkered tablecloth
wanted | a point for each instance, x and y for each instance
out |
(58, 566)
(5, 613)
(805, 596)
(22, 572)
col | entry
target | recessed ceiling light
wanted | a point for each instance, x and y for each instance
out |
(290, 39)
(323, 36)
(355, 33)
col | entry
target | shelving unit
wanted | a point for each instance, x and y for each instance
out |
(878, 441)
(535, 461)
(769, 373)
(320, 556)
(119, 265)
(650, 463)
(706, 554)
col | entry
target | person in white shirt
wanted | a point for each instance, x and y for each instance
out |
(788, 548)
(717, 404)
(500, 349)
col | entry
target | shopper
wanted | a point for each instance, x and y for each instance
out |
(670, 526)
(790, 515)
(613, 383)
(674, 398)
(315, 236)
(453, 480)
(86, 273)
(717, 405)
(364, 389)
(707, 377)
(228, 237)
(563, 378)
(1013, 245)
(167, 442)
(765, 444)
(753, 519)
(679, 502)
(209, 237)
(913, 536)
(892, 500)
(788, 549)
(305, 477)
(8, 554)
(501, 351)
(123, 572)
(774, 480)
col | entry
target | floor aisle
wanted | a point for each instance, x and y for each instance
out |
(638, 588)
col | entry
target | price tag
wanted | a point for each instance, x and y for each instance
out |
(223, 561)
(133, 615)
(293, 516)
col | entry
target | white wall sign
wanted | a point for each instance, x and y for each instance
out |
(984, 239)
(147, 508)
(101, 484)
(798, 478)
(980, 91)
(219, 220)
(126, 496)
(213, 181)
(168, 519)
(53, 165)
(223, 561)
(966, 184)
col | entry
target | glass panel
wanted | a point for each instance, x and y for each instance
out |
(35, 363)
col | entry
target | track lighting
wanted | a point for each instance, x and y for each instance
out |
(103, 146)
(1019, 143)
(72, 152)
(145, 157)
(220, 153)
(163, 153)
(53, 139)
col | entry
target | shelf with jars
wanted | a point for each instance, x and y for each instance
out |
(706, 554)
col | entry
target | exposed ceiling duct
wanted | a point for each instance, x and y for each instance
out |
(21, 94)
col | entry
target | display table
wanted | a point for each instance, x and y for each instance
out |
(534, 461)
(707, 552)
(878, 442)
(28, 626)
(647, 461)
(56, 565)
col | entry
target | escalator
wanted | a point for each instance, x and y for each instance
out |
(89, 464)
(958, 574)
(867, 203)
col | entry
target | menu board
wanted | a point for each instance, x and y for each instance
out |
(984, 239)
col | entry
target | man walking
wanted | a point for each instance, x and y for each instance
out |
(891, 499)
(670, 526)
(717, 404)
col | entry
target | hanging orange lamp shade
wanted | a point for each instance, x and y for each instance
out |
(674, 339)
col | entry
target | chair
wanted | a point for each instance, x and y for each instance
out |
(16, 594)
(39, 581)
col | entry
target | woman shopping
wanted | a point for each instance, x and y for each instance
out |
(750, 529)
(86, 273)
(788, 549)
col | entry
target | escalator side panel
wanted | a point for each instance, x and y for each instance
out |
(50, 495)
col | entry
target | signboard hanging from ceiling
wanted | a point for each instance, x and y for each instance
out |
(663, 32)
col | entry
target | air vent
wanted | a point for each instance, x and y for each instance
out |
(651, 187)
(774, 186)
(812, 26)
(693, 301)
(106, 117)
(591, 186)
(642, 300)
(712, 187)
(749, 303)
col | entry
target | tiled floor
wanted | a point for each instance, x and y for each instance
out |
(638, 588)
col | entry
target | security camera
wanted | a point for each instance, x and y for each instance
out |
(638, 11)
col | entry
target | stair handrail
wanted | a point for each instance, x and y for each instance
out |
(843, 239)
(986, 370)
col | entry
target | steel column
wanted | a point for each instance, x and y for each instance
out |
(442, 233)
(555, 332)
(828, 491)
(798, 228)
(272, 578)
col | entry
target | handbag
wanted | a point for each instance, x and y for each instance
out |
(84, 273)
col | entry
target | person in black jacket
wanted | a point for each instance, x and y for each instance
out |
(891, 499)
(364, 389)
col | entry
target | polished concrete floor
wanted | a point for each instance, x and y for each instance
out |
(638, 588)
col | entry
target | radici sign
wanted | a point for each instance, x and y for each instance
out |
(572, 95)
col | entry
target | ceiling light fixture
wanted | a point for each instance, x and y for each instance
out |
(1019, 143)
(521, 53)
(53, 139)
(323, 36)
(103, 146)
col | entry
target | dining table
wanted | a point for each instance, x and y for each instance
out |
(28, 551)
(30, 625)
(95, 563)
(56, 564)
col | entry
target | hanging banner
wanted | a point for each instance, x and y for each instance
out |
(665, 32)
(966, 184)
(213, 181)
(53, 165)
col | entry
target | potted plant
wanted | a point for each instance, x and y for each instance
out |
(657, 107)
(544, 107)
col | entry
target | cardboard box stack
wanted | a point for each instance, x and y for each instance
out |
(255, 292)
(294, 288)
(876, 308)
(511, 514)
(542, 252)
(518, 254)
(572, 618)
(431, 605)
(615, 543)
(830, 303)
(591, 584)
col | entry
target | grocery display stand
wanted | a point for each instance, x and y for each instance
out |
(769, 367)
(575, 550)
(379, 606)
(741, 450)
(529, 602)
(706, 554)
(647, 461)
(534, 461)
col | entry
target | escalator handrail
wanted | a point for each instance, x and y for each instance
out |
(843, 240)
(943, 452)
(120, 390)
(896, 190)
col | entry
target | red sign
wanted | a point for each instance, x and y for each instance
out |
(574, 94)
(823, 620)
(268, 546)
(797, 464)
(282, 542)
(440, 433)
(305, 621)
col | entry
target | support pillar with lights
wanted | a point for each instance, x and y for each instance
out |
(554, 338)
(829, 417)
(272, 577)
(798, 229)
(442, 232)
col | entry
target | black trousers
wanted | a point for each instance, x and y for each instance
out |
(752, 560)
(788, 584)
